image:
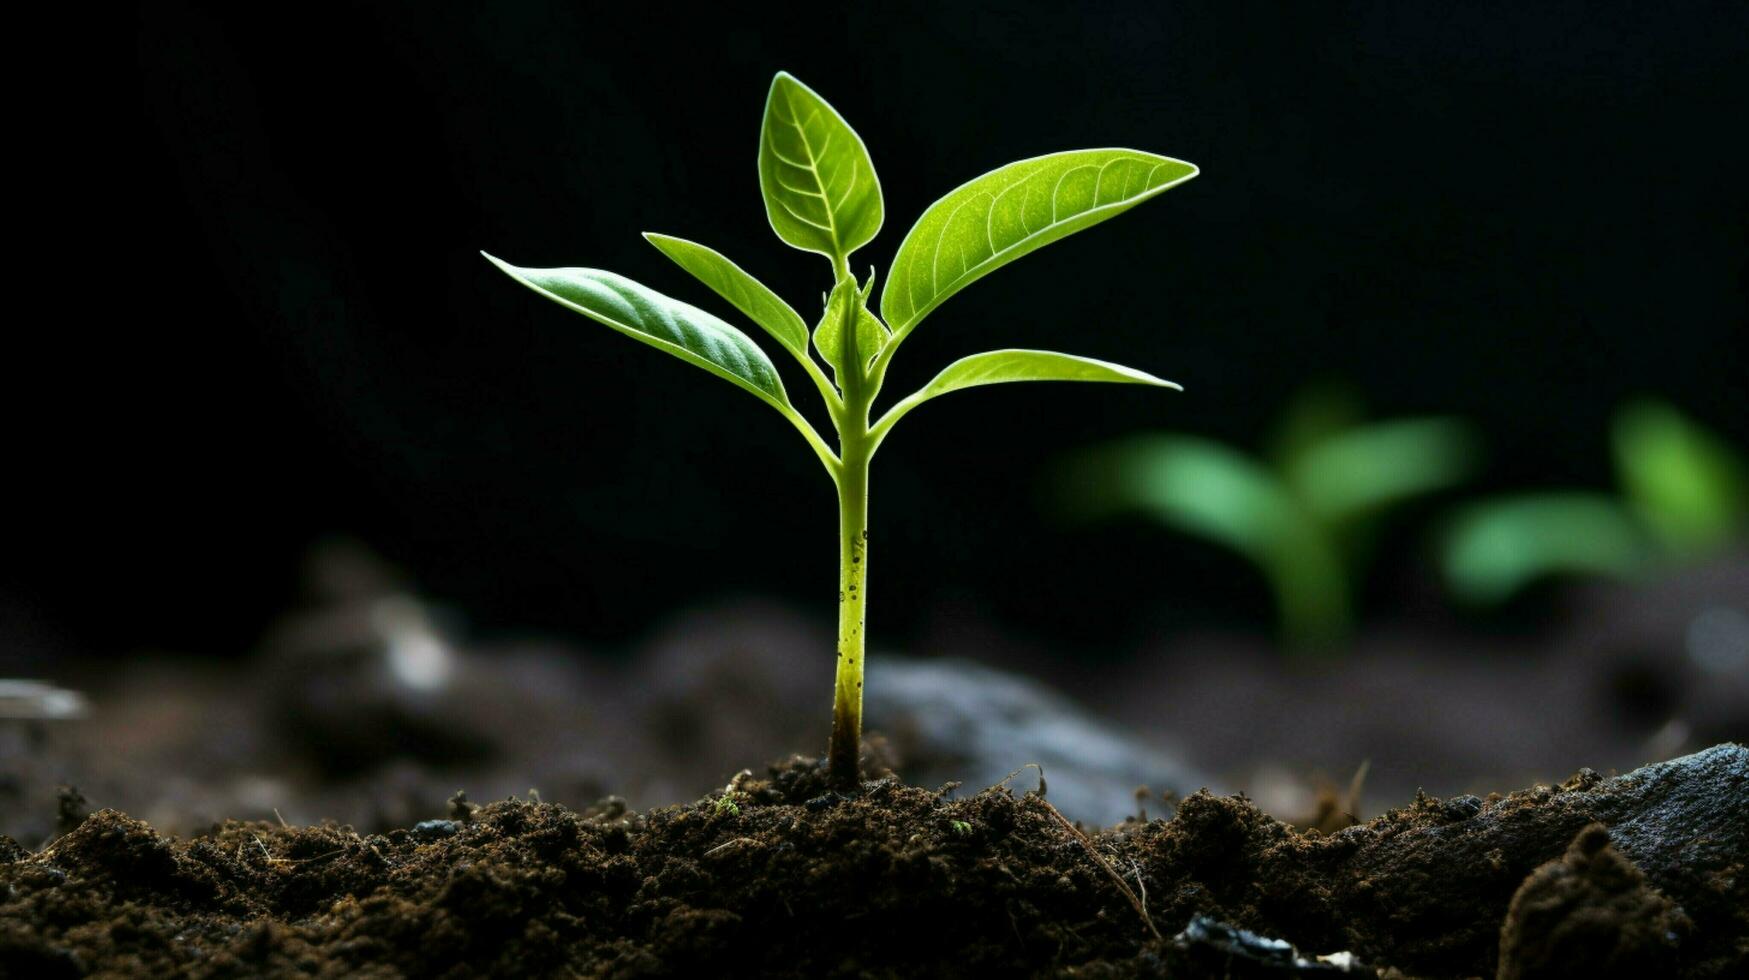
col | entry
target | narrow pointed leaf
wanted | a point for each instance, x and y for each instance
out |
(999, 366)
(871, 333)
(641, 313)
(1008, 212)
(820, 188)
(744, 292)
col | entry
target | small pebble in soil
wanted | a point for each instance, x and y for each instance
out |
(825, 801)
(434, 829)
(1462, 807)
(1240, 952)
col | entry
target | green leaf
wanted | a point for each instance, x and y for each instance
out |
(641, 313)
(1494, 549)
(1368, 468)
(744, 292)
(820, 188)
(1001, 366)
(871, 333)
(1690, 487)
(1010, 211)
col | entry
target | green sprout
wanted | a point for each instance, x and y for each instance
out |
(960, 828)
(1685, 497)
(1304, 516)
(822, 196)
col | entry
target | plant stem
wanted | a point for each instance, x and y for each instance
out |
(855, 447)
(845, 748)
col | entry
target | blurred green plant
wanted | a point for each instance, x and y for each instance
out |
(1685, 495)
(822, 196)
(1303, 515)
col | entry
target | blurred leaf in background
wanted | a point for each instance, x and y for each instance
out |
(1685, 496)
(1687, 485)
(1498, 547)
(1304, 518)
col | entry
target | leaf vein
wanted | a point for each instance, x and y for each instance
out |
(797, 215)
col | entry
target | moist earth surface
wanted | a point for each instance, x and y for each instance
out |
(1632, 875)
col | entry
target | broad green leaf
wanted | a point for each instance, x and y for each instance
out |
(685, 331)
(1689, 486)
(820, 188)
(871, 333)
(1496, 548)
(1010, 211)
(1367, 468)
(744, 292)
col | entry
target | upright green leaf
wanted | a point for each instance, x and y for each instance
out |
(871, 334)
(1010, 211)
(1370, 467)
(820, 188)
(643, 314)
(1688, 485)
(1001, 366)
(744, 292)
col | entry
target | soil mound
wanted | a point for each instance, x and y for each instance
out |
(778, 876)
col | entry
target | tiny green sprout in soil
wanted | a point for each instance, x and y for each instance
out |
(822, 196)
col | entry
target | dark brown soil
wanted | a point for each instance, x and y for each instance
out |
(780, 876)
(1591, 914)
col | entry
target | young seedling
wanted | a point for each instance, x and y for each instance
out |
(1304, 515)
(822, 196)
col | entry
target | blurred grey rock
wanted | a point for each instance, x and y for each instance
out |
(23, 699)
(957, 720)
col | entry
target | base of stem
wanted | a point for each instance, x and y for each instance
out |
(844, 754)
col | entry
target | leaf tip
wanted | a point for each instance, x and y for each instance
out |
(779, 81)
(1192, 171)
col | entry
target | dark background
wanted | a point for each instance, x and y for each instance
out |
(264, 319)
